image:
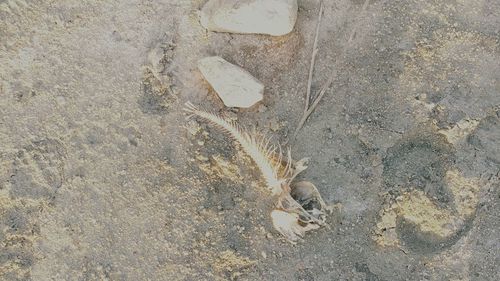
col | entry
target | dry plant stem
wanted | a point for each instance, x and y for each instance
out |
(309, 109)
(313, 57)
(305, 114)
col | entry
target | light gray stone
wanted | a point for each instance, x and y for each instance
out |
(234, 85)
(273, 17)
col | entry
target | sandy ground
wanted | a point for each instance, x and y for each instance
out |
(99, 179)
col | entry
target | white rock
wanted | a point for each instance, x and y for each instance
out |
(234, 85)
(273, 17)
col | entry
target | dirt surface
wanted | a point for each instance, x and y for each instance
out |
(101, 180)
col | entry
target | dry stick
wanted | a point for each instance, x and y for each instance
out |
(309, 110)
(311, 70)
(313, 58)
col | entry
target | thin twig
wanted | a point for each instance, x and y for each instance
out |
(313, 58)
(311, 70)
(310, 110)
(324, 88)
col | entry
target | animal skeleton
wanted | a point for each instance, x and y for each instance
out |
(299, 206)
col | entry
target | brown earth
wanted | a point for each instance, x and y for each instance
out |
(100, 180)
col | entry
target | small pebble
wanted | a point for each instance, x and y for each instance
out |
(274, 124)
(61, 100)
(262, 108)
(231, 116)
(193, 127)
(201, 158)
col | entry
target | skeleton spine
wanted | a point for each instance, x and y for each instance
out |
(259, 149)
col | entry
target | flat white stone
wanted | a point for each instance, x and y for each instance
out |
(235, 86)
(273, 17)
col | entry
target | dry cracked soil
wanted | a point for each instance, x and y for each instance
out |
(101, 177)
